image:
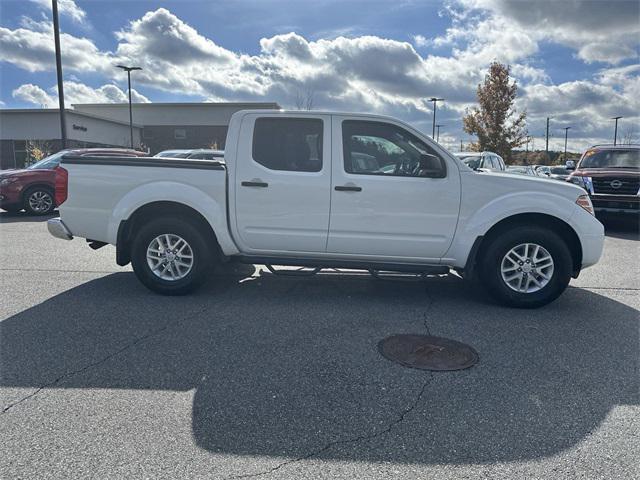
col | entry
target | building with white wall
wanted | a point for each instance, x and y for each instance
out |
(20, 128)
(156, 127)
(176, 125)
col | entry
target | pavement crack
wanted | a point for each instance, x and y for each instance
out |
(102, 360)
(359, 438)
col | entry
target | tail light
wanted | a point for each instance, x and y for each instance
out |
(62, 185)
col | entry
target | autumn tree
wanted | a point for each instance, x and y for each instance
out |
(496, 124)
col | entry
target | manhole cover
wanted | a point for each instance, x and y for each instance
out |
(428, 353)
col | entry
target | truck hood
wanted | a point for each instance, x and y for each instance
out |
(15, 172)
(504, 183)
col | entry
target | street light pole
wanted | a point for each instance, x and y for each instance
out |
(546, 148)
(56, 39)
(435, 101)
(438, 133)
(128, 70)
(615, 132)
(566, 132)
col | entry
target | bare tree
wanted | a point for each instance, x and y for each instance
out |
(304, 100)
(630, 136)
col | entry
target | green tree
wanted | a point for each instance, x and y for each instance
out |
(496, 124)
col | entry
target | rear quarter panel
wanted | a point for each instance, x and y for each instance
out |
(101, 196)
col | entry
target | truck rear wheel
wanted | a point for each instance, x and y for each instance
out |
(526, 267)
(170, 256)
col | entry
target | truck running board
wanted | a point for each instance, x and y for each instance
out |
(386, 271)
(293, 273)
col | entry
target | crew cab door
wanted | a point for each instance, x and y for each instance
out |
(282, 183)
(393, 196)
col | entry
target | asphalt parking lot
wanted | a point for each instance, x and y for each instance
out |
(270, 377)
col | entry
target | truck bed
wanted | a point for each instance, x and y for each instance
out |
(103, 191)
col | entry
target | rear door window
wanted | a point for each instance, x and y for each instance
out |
(291, 144)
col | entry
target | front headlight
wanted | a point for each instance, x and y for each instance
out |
(6, 181)
(583, 182)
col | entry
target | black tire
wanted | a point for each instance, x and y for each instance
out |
(203, 255)
(491, 261)
(47, 201)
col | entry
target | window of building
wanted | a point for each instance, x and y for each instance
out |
(378, 148)
(293, 144)
(179, 133)
(20, 153)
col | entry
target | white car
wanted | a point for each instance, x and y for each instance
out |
(329, 190)
(482, 161)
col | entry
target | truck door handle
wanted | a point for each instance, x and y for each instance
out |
(255, 184)
(348, 188)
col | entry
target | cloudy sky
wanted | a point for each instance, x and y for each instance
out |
(574, 60)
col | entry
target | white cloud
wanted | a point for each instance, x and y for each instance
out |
(33, 50)
(75, 92)
(33, 94)
(365, 73)
(600, 31)
(420, 40)
(65, 7)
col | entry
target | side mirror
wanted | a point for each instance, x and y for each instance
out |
(431, 166)
(570, 165)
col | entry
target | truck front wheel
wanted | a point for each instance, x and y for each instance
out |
(526, 267)
(171, 256)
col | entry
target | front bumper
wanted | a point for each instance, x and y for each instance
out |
(628, 204)
(58, 229)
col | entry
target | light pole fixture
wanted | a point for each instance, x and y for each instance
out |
(56, 40)
(566, 132)
(435, 101)
(438, 133)
(615, 132)
(546, 148)
(129, 70)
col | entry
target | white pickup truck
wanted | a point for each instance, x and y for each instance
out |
(322, 190)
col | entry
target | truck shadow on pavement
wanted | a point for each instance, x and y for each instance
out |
(289, 368)
(24, 217)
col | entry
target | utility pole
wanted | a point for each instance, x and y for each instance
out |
(128, 70)
(566, 132)
(435, 101)
(56, 39)
(546, 148)
(615, 132)
(460, 144)
(438, 133)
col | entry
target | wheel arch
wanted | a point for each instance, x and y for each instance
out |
(128, 227)
(34, 185)
(562, 228)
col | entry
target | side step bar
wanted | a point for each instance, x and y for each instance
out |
(386, 271)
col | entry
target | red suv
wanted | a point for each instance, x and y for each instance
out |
(611, 176)
(33, 188)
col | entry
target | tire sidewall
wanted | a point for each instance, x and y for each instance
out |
(491, 266)
(31, 191)
(202, 256)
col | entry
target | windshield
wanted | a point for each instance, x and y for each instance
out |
(472, 161)
(48, 163)
(611, 159)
